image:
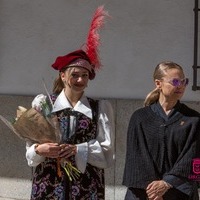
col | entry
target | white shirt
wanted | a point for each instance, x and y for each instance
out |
(98, 152)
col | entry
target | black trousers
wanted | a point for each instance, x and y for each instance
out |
(171, 194)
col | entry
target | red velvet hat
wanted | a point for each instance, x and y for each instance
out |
(76, 58)
(87, 58)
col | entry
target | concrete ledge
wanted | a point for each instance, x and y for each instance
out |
(15, 188)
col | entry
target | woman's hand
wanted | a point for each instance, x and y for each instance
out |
(50, 150)
(67, 150)
(156, 189)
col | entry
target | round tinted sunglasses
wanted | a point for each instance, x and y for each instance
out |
(178, 82)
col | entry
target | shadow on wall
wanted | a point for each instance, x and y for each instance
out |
(13, 149)
(12, 154)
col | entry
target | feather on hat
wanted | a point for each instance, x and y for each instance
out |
(88, 58)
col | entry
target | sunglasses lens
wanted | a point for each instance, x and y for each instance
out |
(176, 82)
(185, 81)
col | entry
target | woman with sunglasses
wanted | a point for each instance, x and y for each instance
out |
(162, 141)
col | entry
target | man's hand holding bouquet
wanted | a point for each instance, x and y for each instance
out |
(41, 127)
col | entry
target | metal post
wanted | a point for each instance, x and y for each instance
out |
(195, 64)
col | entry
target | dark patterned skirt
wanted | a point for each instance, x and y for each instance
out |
(47, 185)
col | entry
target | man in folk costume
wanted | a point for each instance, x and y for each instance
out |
(74, 167)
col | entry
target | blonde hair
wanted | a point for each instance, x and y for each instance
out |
(159, 72)
(58, 84)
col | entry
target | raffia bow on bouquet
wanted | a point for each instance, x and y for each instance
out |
(39, 125)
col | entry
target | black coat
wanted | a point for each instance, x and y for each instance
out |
(162, 149)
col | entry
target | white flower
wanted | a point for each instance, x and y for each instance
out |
(38, 102)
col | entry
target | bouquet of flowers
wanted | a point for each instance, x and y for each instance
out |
(35, 124)
(39, 125)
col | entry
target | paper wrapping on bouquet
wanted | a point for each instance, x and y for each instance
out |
(33, 126)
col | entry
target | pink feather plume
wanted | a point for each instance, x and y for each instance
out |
(93, 39)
